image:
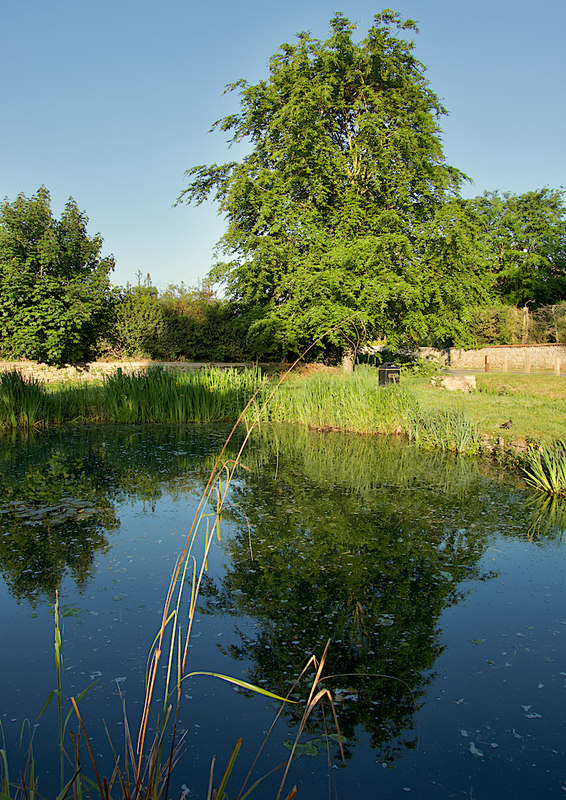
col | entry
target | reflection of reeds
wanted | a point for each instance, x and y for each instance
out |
(545, 467)
(548, 519)
(363, 463)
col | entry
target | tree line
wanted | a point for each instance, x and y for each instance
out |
(344, 224)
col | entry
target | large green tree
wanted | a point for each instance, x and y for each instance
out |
(54, 286)
(333, 213)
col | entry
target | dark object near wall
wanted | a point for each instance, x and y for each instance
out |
(388, 373)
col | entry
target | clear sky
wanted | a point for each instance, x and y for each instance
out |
(110, 101)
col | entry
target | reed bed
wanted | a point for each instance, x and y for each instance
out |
(445, 429)
(150, 396)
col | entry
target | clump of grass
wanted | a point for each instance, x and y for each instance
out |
(354, 403)
(446, 429)
(544, 468)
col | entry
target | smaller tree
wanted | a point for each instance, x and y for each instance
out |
(139, 323)
(54, 285)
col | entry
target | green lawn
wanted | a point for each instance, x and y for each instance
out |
(535, 403)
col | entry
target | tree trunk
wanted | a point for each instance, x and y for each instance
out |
(348, 360)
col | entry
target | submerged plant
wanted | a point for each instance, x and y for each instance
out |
(544, 468)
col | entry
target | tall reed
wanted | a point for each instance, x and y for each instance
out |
(443, 429)
(23, 402)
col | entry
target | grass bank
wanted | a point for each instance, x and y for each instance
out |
(433, 417)
(357, 404)
(536, 405)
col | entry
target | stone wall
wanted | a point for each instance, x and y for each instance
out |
(510, 357)
(501, 357)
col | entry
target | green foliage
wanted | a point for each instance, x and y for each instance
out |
(411, 362)
(548, 324)
(521, 245)
(54, 288)
(505, 324)
(180, 323)
(545, 467)
(339, 211)
(139, 321)
(199, 326)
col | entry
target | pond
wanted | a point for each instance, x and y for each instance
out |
(438, 581)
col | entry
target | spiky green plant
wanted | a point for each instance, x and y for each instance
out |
(544, 468)
(22, 401)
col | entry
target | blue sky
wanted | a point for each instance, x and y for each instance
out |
(110, 101)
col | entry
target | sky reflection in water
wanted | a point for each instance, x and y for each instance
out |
(433, 571)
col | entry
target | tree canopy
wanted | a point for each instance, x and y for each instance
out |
(522, 242)
(54, 286)
(335, 212)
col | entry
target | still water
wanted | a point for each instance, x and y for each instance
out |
(438, 581)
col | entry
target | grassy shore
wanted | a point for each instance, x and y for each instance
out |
(536, 404)
(322, 399)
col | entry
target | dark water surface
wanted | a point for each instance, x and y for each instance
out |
(439, 582)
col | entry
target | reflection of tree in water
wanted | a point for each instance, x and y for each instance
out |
(53, 518)
(370, 563)
(59, 490)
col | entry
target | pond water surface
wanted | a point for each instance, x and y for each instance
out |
(438, 581)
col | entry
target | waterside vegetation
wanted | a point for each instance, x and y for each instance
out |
(149, 396)
(318, 398)
(545, 467)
